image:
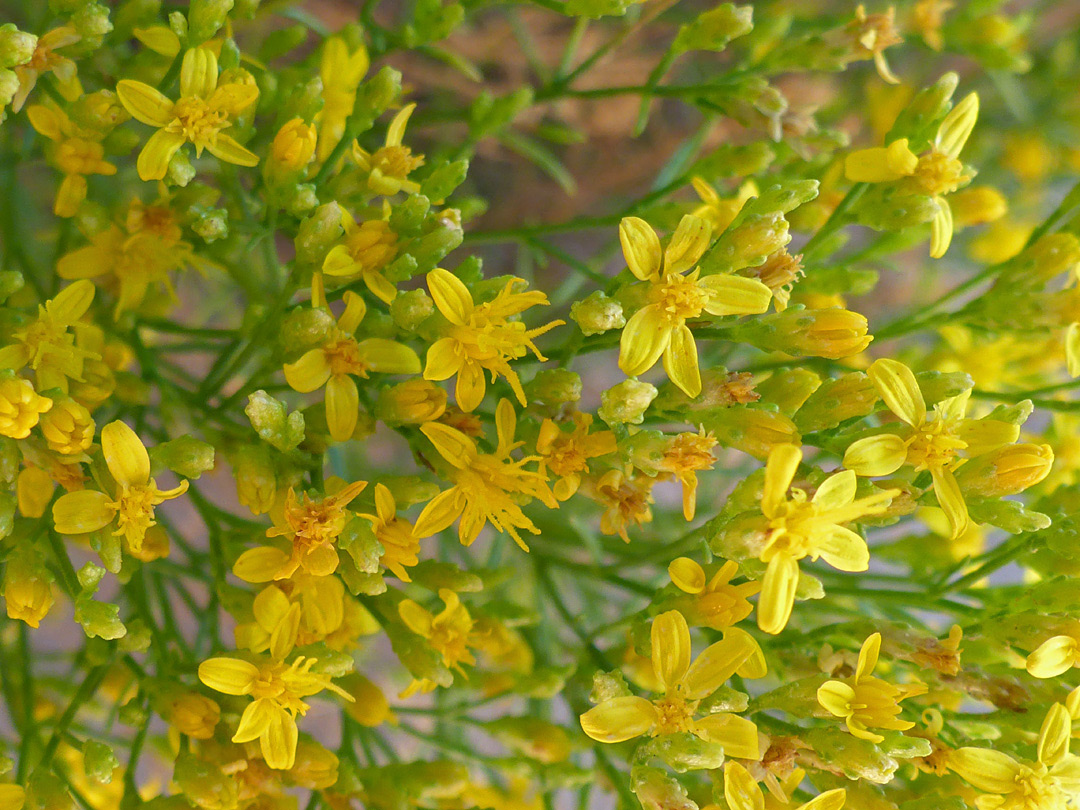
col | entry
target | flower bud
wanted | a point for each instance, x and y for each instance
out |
(626, 402)
(16, 47)
(369, 707)
(99, 762)
(752, 430)
(91, 22)
(9, 86)
(685, 752)
(658, 791)
(1006, 471)
(194, 715)
(315, 767)
(597, 314)
(155, 545)
(411, 403)
(27, 590)
(748, 244)
(34, 490)
(20, 407)
(205, 17)
(608, 685)
(203, 783)
(1050, 256)
(555, 386)
(294, 145)
(832, 333)
(411, 308)
(318, 233)
(977, 206)
(68, 427)
(256, 479)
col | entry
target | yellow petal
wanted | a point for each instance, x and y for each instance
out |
(231, 676)
(224, 147)
(439, 514)
(896, 385)
(198, 73)
(835, 697)
(985, 769)
(82, 512)
(881, 164)
(160, 39)
(619, 719)
(829, 800)
(12, 797)
(688, 243)
(355, 310)
(153, 161)
(278, 744)
(740, 788)
(670, 648)
(389, 356)
(395, 133)
(470, 387)
(342, 406)
(777, 593)
(1053, 657)
(883, 454)
(941, 229)
(868, 657)
(835, 491)
(681, 361)
(957, 126)
(1054, 736)
(47, 121)
(260, 564)
(842, 548)
(145, 103)
(984, 435)
(687, 575)
(233, 98)
(780, 470)
(443, 359)
(451, 296)
(125, 455)
(735, 295)
(321, 561)
(737, 735)
(308, 373)
(1072, 349)
(254, 721)
(453, 445)
(716, 664)
(71, 303)
(640, 247)
(951, 499)
(644, 338)
(416, 618)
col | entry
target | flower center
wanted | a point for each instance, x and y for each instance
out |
(937, 173)
(1037, 790)
(343, 355)
(395, 161)
(199, 123)
(313, 523)
(935, 444)
(49, 342)
(77, 156)
(679, 297)
(135, 512)
(674, 715)
(791, 528)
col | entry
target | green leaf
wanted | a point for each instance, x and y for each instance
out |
(714, 29)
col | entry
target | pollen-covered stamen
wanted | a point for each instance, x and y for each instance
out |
(395, 161)
(934, 444)
(134, 507)
(673, 715)
(198, 121)
(343, 355)
(78, 156)
(937, 174)
(313, 523)
(679, 297)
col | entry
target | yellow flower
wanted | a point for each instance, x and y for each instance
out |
(12, 797)
(626, 499)
(28, 592)
(136, 493)
(294, 145)
(68, 427)
(488, 487)
(33, 491)
(686, 455)
(933, 443)
(742, 792)
(77, 154)
(481, 337)
(1054, 657)
(677, 294)
(341, 72)
(20, 407)
(47, 344)
(935, 173)
(716, 210)
(278, 691)
(368, 248)
(198, 117)
(715, 602)
(388, 167)
(45, 59)
(342, 357)
(869, 35)
(449, 633)
(567, 454)
(194, 715)
(1048, 783)
(311, 526)
(397, 536)
(799, 527)
(867, 702)
(685, 685)
(927, 17)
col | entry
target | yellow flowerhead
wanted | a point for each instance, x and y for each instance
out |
(481, 337)
(20, 407)
(685, 685)
(935, 173)
(938, 443)
(342, 357)
(488, 487)
(397, 536)
(199, 116)
(294, 145)
(68, 427)
(868, 35)
(28, 591)
(76, 154)
(742, 792)
(45, 59)
(312, 525)
(194, 715)
(566, 454)
(714, 602)
(136, 494)
(341, 72)
(448, 633)
(684, 457)
(388, 167)
(278, 691)
(677, 294)
(368, 248)
(799, 526)
(867, 702)
(47, 344)
(1047, 783)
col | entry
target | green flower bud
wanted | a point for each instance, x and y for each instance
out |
(919, 121)
(92, 22)
(789, 389)
(685, 752)
(181, 172)
(1006, 471)
(836, 401)
(747, 244)
(205, 17)
(411, 308)
(16, 47)
(304, 328)
(274, 424)
(608, 685)
(212, 224)
(753, 430)
(256, 477)
(432, 247)
(9, 86)
(301, 199)
(186, 456)
(885, 209)
(99, 762)
(626, 402)
(658, 791)
(1050, 256)
(318, 233)
(442, 182)
(597, 314)
(203, 783)
(555, 386)
(832, 333)
(714, 29)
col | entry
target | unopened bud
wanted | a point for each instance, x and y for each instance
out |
(68, 427)
(832, 333)
(20, 407)
(315, 767)
(411, 403)
(977, 206)
(658, 791)
(256, 479)
(753, 430)
(205, 17)
(597, 314)
(748, 244)
(194, 715)
(370, 707)
(294, 145)
(34, 490)
(626, 402)
(555, 386)
(27, 590)
(203, 783)
(99, 762)
(1006, 471)
(16, 47)
(318, 233)
(411, 308)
